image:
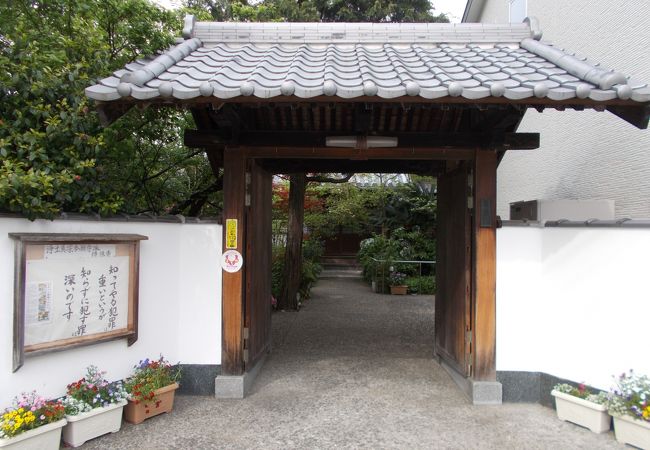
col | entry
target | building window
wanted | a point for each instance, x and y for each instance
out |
(518, 10)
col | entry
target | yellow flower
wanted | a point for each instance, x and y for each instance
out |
(646, 413)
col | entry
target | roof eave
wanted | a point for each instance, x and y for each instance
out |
(635, 113)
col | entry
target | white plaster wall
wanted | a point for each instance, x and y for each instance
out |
(572, 302)
(179, 310)
(495, 11)
(584, 154)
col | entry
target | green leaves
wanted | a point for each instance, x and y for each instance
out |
(53, 147)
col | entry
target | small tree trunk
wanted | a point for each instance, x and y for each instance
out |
(293, 254)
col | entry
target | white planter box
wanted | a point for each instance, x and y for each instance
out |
(632, 431)
(92, 424)
(47, 437)
(581, 412)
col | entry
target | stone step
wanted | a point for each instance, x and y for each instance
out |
(339, 262)
(340, 273)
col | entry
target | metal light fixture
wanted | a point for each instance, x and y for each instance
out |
(361, 141)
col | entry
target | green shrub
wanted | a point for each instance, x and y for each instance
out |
(377, 247)
(277, 265)
(407, 245)
(312, 249)
(421, 285)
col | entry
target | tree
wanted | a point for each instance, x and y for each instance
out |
(293, 252)
(55, 154)
(410, 205)
(375, 11)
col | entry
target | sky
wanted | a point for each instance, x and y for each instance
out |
(453, 8)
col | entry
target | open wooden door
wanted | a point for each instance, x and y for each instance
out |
(453, 271)
(257, 304)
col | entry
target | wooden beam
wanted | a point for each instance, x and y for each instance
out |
(215, 158)
(352, 166)
(638, 117)
(516, 141)
(234, 191)
(396, 153)
(110, 112)
(507, 141)
(484, 292)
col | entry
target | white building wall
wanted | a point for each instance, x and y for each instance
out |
(179, 308)
(584, 154)
(572, 302)
(495, 11)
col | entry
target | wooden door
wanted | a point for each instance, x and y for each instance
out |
(453, 271)
(257, 325)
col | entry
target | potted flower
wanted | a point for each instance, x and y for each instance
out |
(93, 407)
(32, 423)
(151, 389)
(630, 407)
(396, 282)
(580, 406)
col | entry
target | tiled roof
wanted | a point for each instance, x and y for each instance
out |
(266, 60)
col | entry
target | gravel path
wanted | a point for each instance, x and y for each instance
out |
(353, 369)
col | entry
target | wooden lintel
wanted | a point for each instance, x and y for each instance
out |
(420, 167)
(484, 260)
(396, 153)
(505, 141)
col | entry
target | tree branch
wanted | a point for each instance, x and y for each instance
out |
(323, 179)
(173, 166)
(196, 201)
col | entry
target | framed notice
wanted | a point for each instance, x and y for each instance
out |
(72, 290)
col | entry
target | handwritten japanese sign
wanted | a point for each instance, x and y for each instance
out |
(71, 292)
(231, 233)
(69, 297)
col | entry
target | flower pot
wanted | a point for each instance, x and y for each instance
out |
(629, 430)
(46, 437)
(398, 290)
(163, 402)
(94, 423)
(582, 412)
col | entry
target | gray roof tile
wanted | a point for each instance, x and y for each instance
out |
(265, 60)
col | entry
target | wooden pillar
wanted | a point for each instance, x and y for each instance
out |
(234, 199)
(484, 345)
(258, 273)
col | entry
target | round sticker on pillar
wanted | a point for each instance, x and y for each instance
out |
(231, 261)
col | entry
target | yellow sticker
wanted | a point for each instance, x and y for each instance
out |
(231, 233)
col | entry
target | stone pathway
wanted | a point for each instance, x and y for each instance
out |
(353, 370)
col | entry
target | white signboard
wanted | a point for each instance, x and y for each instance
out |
(75, 295)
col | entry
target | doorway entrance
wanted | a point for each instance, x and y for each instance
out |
(466, 170)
